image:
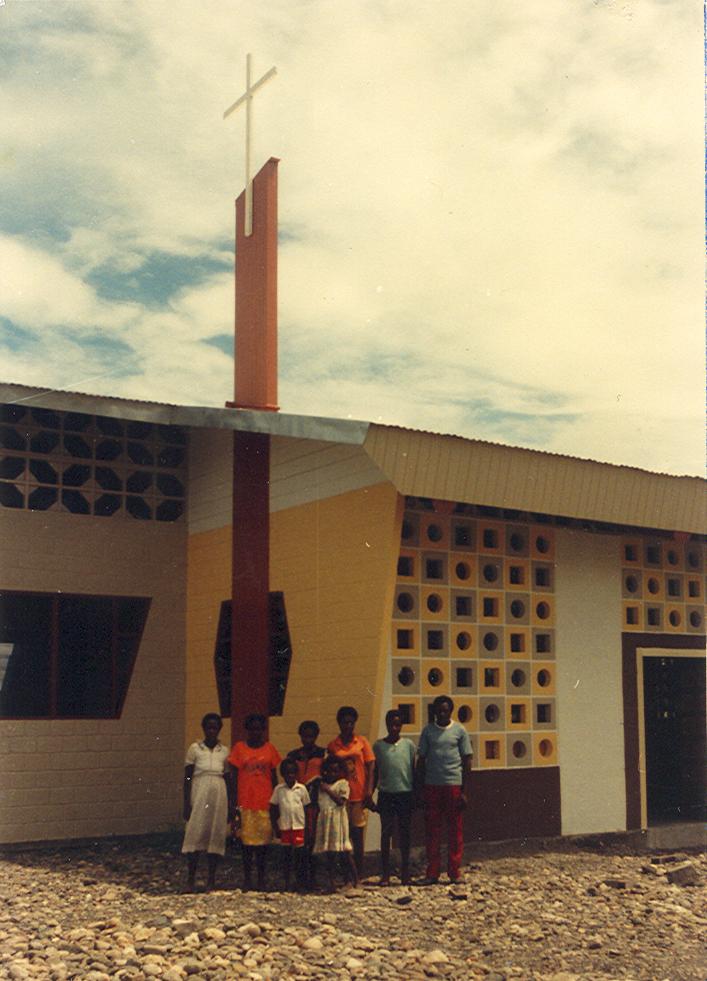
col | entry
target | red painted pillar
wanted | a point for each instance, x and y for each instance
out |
(256, 295)
(250, 660)
(255, 388)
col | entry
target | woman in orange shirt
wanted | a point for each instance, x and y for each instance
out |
(358, 758)
(255, 763)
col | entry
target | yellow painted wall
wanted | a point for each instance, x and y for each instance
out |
(208, 585)
(335, 560)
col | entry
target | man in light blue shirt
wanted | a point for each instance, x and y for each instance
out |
(444, 754)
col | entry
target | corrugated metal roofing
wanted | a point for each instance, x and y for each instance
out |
(204, 416)
(451, 468)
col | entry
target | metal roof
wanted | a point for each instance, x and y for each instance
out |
(199, 416)
(450, 468)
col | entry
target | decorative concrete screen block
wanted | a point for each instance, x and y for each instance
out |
(468, 713)
(491, 642)
(406, 678)
(662, 585)
(94, 465)
(474, 617)
(519, 748)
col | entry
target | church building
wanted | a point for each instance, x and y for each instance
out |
(158, 562)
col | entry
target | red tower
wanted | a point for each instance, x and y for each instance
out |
(255, 388)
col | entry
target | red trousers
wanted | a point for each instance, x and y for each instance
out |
(442, 804)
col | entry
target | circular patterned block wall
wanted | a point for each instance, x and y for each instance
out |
(473, 617)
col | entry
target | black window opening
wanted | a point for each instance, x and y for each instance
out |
(280, 655)
(67, 657)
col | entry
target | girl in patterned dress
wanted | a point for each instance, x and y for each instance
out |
(332, 837)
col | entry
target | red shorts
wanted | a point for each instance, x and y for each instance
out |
(293, 836)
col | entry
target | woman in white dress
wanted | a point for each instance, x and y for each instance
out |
(207, 797)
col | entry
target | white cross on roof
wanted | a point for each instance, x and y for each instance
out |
(247, 97)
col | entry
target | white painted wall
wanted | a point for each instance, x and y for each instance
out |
(75, 778)
(301, 470)
(304, 470)
(590, 701)
(210, 479)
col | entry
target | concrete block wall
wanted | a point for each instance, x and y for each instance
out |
(333, 535)
(75, 778)
(335, 561)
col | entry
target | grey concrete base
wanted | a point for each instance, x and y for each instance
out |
(669, 837)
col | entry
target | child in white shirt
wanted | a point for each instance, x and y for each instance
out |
(287, 815)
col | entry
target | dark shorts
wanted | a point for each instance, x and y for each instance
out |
(395, 805)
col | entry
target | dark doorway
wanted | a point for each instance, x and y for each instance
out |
(674, 699)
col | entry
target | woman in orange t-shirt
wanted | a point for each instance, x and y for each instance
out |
(255, 762)
(357, 755)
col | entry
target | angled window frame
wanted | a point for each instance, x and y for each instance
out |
(37, 677)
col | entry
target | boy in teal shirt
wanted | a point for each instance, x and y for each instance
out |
(394, 774)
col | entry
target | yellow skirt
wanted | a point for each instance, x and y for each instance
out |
(255, 829)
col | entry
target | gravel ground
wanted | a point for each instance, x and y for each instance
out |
(557, 913)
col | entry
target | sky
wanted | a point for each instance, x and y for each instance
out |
(491, 212)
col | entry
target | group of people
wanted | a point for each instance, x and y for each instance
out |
(320, 805)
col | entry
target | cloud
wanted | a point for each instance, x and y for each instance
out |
(490, 215)
(36, 291)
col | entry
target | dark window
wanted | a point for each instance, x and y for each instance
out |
(11, 439)
(168, 484)
(170, 456)
(11, 467)
(76, 422)
(463, 535)
(108, 479)
(172, 434)
(75, 502)
(280, 655)
(76, 475)
(435, 640)
(44, 442)
(140, 454)
(67, 656)
(12, 413)
(42, 471)
(406, 566)
(77, 446)
(139, 430)
(42, 498)
(490, 538)
(138, 482)
(138, 508)
(463, 606)
(407, 714)
(105, 505)
(10, 496)
(108, 449)
(169, 510)
(46, 417)
(108, 426)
